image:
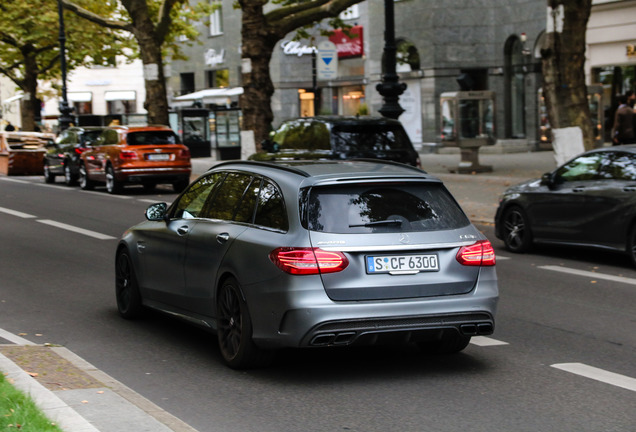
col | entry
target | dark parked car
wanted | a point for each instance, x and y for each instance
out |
(312, 254)
(588, 201)
(337, 137)
(63, 155)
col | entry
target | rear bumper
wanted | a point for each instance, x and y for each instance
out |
(305, 316)
(156, 175)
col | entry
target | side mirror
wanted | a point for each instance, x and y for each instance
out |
(156, 212)
(548, 180)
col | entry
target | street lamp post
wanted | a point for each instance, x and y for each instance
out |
(65, 118)
(390, 88)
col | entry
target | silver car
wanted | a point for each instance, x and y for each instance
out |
(312, 254)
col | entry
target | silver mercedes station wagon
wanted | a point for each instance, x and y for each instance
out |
(312, 254)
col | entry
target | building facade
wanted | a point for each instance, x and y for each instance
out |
(442, 47)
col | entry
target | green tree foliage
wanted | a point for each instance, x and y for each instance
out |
(30, 50)
(260, 33)
(155, 25)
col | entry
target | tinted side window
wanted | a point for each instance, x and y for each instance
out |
(191, 203)
(623, 167)
(303, 134)
(245, 210)
(383, 208)
(369, 138)
(583, 168)
(229, 197)
(109, 137)
(271, 211)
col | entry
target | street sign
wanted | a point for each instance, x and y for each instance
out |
(327, 62)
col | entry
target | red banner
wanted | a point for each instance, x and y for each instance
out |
(348, 46)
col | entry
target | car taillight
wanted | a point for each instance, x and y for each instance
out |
(184, 153)
(307, 261)
(80, 150)
(127, 155)
(478, 254)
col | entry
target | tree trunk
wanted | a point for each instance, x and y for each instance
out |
(156, 97)
(29, 86)
(563, 56)
(257, 49)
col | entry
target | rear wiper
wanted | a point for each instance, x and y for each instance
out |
(382, 222)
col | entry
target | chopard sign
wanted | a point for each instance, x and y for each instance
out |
(296, 48)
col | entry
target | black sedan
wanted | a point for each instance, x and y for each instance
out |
(588, 201)
(62, 156)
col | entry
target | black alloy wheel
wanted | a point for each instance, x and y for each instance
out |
(84, 181)
(631, 244)
(516, 230)
(113, 186)
(234, 329)
(126, 287)
(48, 176)
(69, 178)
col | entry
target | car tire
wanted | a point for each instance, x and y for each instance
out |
(234, 329)
(127, 293)
(517, 235)
(69, 178)
(84, 181)
(149, 187)
(631, 244)
(180, 185)
(113, 186)
(48, 176)
(451, 342)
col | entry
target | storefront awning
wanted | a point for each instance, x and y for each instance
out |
(13, 99)
(120, 95)
(79, 96)
(207, 96)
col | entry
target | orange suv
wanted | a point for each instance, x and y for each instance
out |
(146, 155)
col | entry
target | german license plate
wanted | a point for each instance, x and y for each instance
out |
(402, 263)
(158, 156)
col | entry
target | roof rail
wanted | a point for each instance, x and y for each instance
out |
(265, 164)
(389, 162)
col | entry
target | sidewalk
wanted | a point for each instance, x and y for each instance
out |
(80, 398)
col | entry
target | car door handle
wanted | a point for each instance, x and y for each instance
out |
(183, 230)
(222, 238)
(578, 189)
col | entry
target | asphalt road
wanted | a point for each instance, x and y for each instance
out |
(561, 359)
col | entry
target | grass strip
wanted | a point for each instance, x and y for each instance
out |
(18, 411)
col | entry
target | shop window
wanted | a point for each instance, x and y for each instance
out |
(121, 107)
(353, 100)
(306, 98)
(83, 107)
(217, 78)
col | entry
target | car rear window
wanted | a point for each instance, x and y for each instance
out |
(383, 208)
(152, 138)
(369, 137)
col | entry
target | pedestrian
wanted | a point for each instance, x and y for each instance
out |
(9, 127)
(623, 129)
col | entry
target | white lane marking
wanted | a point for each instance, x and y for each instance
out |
(75, 229)
(149, 201)
(14, 180)
(484, 341)
(14, 338)
(16, 213)
(104, 194)
(499, 257)
(598, 375)
(593, 275)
